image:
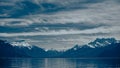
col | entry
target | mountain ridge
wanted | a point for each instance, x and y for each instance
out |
(107, 47)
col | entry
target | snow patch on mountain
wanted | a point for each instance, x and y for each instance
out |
(21, 43)
(91, 46)
(101, 42)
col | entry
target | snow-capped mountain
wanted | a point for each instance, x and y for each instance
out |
(101, 47)
(98, 42)
(101, 42)
(21, 43)
(20, 49)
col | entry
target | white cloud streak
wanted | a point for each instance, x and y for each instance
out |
(15, 22)
(64, 32)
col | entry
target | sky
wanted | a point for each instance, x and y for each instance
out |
(59, 24)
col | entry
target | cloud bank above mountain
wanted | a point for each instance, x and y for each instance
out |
(56, 20)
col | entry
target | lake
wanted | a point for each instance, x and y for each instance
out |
(59, 63)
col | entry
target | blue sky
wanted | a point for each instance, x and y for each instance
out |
(59, 24)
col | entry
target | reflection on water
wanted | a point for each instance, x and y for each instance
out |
(58, 63)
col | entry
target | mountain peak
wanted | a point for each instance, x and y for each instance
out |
(99, 42)
(21, 43)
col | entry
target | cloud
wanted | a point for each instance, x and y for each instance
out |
(6, 4)
(95, 14)
(67, 23)
(65, 32)
(23, 7)
(14, 22)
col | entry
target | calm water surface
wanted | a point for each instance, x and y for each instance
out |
(58, 63)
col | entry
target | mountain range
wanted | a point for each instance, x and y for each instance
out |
(101, 47)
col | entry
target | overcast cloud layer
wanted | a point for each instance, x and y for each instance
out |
(59, 24)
